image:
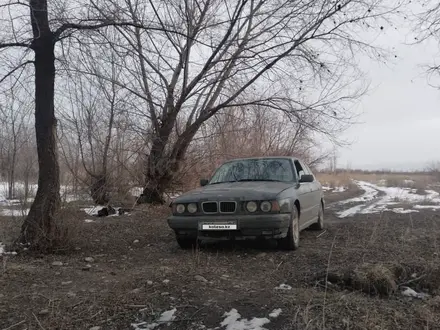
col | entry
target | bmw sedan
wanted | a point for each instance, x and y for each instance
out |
(250, 198)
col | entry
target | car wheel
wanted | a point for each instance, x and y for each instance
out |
(291, 241)
(319, 225)
(186, 243)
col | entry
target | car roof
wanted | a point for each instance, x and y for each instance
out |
(263, 157)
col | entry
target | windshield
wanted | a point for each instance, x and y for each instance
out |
(265, 169)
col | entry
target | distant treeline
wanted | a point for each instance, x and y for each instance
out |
(378, 172)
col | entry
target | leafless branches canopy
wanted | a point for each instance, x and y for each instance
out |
(158, 84)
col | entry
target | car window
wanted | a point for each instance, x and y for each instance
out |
(261, 169)
(309, 170)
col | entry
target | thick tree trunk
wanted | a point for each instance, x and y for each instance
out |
(162, 167)
(40, 229)
(99, 190)
(157, 173)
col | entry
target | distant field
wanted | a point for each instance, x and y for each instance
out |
(413, 180)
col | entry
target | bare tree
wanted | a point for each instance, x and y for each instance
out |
(41, 32)
(97, 106)
(245, 132)
(15, 135)
(293, 56)
(426, 24)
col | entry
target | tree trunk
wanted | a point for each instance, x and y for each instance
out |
(161, 168)
(98, 190)
(40, 229)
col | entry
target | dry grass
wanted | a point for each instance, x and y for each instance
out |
(379, 253)
(420, 181)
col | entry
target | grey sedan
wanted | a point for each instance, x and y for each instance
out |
(265, 197)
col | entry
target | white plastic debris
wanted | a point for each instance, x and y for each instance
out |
(283, 287)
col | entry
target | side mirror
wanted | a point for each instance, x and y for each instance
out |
(306, 178)
(204, 182)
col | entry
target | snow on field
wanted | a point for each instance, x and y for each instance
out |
(369, 193)
(275, 313)
(378, 198)
(232, 320)
(165, 317)
(335, 189)
(13, 212)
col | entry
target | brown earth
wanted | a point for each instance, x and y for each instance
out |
(138, 271)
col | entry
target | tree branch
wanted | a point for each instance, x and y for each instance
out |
(108, 23)
(14, 44)
(15, 69)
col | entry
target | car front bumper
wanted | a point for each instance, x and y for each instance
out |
(248, 226)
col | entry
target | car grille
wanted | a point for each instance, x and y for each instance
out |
(227, 207)
(210, 207)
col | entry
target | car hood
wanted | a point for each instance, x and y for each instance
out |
(249, 190)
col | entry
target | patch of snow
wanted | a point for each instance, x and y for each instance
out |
(369, 193)
(165, 317)
(351, 211)
(427, 207)
(13, 212)
(89, 220)
(402, 210)
(390, 196)
(409, 182)
(233, 321)
(334, 190)
(283, 287)
(2, 248)
(275, 313)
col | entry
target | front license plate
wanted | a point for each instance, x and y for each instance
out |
(218, 226)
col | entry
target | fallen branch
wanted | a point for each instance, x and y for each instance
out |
(321, 234)
(38, 321)
(14, 325)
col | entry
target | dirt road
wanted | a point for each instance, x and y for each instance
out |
(136, 277)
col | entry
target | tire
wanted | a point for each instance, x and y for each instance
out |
(319, 225)
(186, 243)
(291, 241)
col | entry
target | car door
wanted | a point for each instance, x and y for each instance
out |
(304, 196)
(316, 191)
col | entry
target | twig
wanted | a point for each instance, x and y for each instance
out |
(14, 325)
(197, 311)
(38, 321)
(321, 233)
(326, 279)
(279, 265)
(412, 280)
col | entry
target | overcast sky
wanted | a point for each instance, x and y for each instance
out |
(400, 118)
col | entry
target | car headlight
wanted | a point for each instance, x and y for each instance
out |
(251, 206)
(192, 208)
(285, 205)
(180, 208)
(266, 206)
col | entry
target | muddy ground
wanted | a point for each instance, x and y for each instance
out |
(138, 272)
